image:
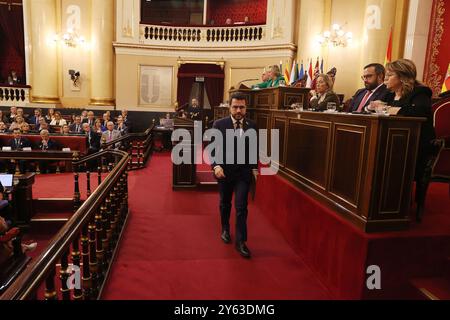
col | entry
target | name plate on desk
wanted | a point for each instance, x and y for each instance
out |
(66, 150)
(6, 149)
(28, 149)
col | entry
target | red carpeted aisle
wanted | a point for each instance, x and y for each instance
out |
(171, 249)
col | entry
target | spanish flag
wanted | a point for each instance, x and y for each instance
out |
(446, 85)
(388, 57)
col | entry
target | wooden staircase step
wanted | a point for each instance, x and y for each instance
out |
(433, 288)
(44, 205)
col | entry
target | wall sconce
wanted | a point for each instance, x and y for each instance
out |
(337, 37)
(75, 77)
(70, 38)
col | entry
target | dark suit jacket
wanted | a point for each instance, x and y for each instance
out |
(235, 171)
(73, 127)
(329, 97)
(24, 143)
(32, 120)
(382, 94)
(87, 121)
(93, 142)
(51, 145)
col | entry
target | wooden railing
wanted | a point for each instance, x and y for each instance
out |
(17, 96)
(89, 240)
(138, 145)
(154, 34)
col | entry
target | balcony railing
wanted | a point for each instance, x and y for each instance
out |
(17, 96)
(198, 36)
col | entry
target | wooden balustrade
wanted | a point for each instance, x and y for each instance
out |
(138, 145)
(95, 227)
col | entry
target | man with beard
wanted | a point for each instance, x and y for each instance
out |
(375, 89)
(235, 176)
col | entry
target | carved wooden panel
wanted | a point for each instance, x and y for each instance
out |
(308, 145)
(347, 162)
(281, 124)
(394, 170)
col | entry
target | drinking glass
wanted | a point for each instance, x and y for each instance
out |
(331, 107)
(381, 107)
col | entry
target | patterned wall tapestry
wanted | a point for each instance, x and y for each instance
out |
(438, 52)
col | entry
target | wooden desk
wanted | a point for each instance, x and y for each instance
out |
(362, 166)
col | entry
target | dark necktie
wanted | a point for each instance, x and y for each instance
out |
(17, 143)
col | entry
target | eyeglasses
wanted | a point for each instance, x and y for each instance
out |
(367, 76)
(238, 107)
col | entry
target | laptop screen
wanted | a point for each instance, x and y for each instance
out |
(6, 180)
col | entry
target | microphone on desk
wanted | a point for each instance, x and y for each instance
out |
(246, 80)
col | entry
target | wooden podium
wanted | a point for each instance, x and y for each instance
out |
(184, 175)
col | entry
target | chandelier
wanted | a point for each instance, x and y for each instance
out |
(337, 37)
(70, 38)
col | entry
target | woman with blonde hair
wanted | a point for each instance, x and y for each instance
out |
(324, 94)
(58, 120)
(412, 99)
(275, 76)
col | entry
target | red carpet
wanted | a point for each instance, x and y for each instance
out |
(172, 250)
(301, 250)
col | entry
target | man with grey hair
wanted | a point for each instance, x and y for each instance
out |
(111, 134)
(44, 145)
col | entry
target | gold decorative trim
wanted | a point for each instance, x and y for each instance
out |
(432, 77)
(102, 102)
(247, 47)
(45, 100)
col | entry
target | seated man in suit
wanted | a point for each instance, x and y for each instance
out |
(46, 144)
(34, 120)
(121, 127)
(93, 145)
(111, 134)
(374, 90)
(195, 111)
(18, 143)
(12, 114)
(126, 119)
(90, 119)
(76, 126)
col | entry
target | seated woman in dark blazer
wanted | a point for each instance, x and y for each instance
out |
(324, 94)
(412, 99)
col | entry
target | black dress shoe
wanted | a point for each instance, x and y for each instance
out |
(226, 237)
(243, 250)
